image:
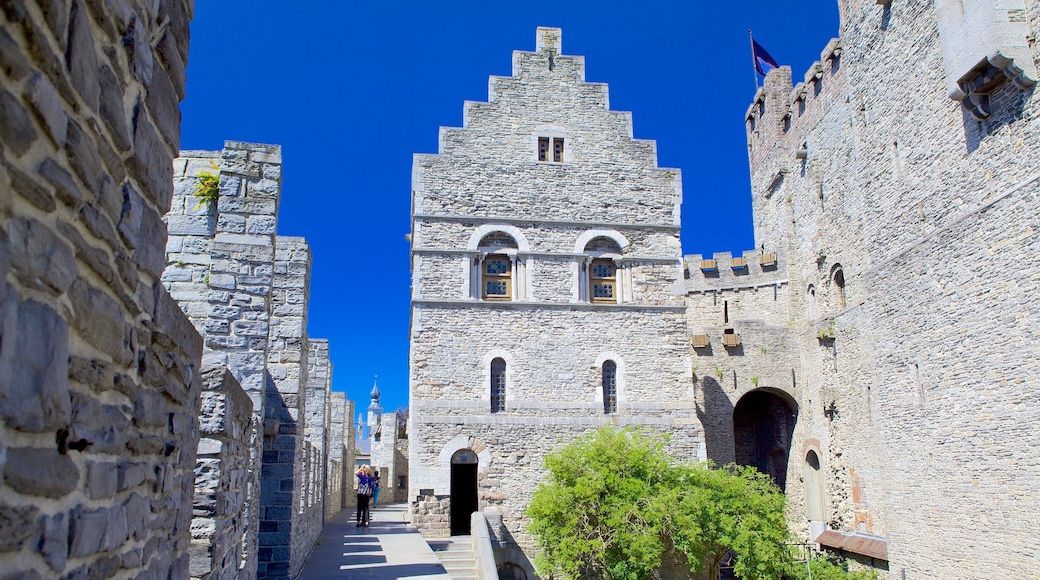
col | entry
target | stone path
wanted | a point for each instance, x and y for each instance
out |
(388, 548)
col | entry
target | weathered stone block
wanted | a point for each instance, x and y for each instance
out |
(40, 472)
(34, 355)
(16, 126)
(47, 105)
(81, 58)
(20, 525)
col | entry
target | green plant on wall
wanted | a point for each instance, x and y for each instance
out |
(754, 381)
(719, 372)
(207, 192)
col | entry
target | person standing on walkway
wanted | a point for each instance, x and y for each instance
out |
(364, 475)
(377, 485)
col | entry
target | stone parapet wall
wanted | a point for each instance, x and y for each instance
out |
(337, 468)
(99, 369)
(221, 471)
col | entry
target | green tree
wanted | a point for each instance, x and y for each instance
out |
(614, 504)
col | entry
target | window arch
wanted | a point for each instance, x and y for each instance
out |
(813, 487)
(497, 266)
(609, 380)
(810, 296)
(498, 385)
(601, 270)
(838, 279)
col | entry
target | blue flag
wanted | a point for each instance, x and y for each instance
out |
(763, 62)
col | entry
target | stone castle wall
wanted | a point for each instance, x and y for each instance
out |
(246, 289)
(222, 470)
(99, 369)
(909, 370)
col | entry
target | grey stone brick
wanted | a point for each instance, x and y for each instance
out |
(46, 103)
(83, 156)
(40, 258)
(112, 108)
(64, 185)
(87, 530)
(40, 472)
(101, 480)
(20, 525)
(149, 163)
(54, 542)
(81, 57)
(16, 126)
(99, 318)
(12, 62)
(34, 355)
(29, 189)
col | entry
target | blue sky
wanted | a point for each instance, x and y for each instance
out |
(351, 90)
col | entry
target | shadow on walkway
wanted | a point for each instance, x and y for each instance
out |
(388, 548)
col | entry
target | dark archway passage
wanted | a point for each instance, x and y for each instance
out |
(463, 490)
(763, 425)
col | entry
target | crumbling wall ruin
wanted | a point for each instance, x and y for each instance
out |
(99, 369)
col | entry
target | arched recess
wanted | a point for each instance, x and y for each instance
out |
(763, 427)
(600, 266)
(838, 282)
(498, 243)
(619, 377)
(485, 370)
(812, 474)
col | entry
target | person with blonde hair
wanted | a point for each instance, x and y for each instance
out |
(364, 475)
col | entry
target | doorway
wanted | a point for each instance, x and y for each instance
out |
(763, 425)
(463, 491)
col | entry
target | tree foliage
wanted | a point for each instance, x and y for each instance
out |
(614, 505)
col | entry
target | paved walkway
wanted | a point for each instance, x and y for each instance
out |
(388, 548)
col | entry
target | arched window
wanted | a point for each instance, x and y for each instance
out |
(497, 266)
(602, 282)
(811, 302)
(498, 385)
(838, 277)
(813, 488)
(609, 387)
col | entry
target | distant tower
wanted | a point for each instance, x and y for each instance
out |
(375, 411)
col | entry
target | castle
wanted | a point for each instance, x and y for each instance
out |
(875, 353)
(163, 413)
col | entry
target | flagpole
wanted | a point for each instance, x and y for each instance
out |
(754, 63)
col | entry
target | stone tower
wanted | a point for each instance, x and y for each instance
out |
(546, 296)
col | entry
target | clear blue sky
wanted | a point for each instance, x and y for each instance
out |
(351, 90)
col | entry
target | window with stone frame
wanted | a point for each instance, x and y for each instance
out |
(602, 271)
(609, 387)
(497, 279)
(550, 149)
(496, 266)
(498, 385)
(603, 281)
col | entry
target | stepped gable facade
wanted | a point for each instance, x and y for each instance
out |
(547, 295)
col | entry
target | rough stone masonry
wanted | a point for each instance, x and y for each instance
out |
(99, 368)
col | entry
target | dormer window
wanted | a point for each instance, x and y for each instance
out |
(550, 149)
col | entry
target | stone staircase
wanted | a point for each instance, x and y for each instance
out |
(456, 555)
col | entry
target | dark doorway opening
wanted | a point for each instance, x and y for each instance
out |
(463, 490)
(763, 425)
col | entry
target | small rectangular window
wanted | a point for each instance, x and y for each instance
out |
(543, 149)
(558, 150)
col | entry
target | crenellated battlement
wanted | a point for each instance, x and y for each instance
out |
(724, 271)
(782, 112)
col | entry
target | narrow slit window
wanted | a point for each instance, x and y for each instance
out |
(558, 150)
(609, 387)
(543, 149)
(497, 277)
(498, 385)
(603, 281)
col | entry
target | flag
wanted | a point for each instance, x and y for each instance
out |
(763, 62)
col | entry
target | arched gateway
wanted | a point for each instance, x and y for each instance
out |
(763, 425)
